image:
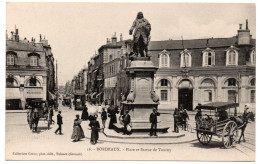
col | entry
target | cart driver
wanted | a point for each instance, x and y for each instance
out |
(245, 111)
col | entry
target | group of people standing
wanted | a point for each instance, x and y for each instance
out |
(180, 117)
(78, 132)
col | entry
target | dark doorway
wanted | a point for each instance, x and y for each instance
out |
(186, 98)
(232, 96)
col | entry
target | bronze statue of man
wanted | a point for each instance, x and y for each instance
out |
(141, 35)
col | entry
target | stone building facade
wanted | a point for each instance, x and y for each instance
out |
(206, 70)
(189, 71)
(112, 65)
(29, 71)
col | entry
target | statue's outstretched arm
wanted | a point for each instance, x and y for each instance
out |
(132, 28)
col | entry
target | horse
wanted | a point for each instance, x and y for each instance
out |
(35, 121)
(242, 122)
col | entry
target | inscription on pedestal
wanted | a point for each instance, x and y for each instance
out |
(143, 89)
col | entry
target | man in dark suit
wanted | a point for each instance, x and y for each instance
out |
(153, 121)
(126, 120)
(177, 119)
(59, 122)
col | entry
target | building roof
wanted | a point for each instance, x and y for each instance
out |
(193, 43)
(117, 45)
(20, 46)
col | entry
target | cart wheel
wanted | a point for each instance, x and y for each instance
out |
(230, 134)
(204, 138)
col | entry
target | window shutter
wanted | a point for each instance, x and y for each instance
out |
(212, 58)
(206, 59)
(234, 58)
(8, 59)
(229, 58)
(181, 64)
(187, 60)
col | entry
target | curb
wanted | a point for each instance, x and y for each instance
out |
(153, 143)
(142, 137)
(10, 111)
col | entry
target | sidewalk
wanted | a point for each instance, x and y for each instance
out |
(166, 138)
(15, 111)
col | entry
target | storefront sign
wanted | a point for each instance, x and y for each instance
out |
(33, 93)
(79, 92)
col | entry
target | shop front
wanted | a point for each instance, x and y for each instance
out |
(13, 99)
(35, 93)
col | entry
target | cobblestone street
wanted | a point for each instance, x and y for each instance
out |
(45, 144)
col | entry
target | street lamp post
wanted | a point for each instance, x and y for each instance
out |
(57, 86)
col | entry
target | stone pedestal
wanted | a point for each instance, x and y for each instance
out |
(141, 72)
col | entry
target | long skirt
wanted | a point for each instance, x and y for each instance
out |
(94, 136)
(84, 115)
(112, 121)
(78, 133)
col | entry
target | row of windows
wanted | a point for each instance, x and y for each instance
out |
(11, 82)
(208, 96)
(10, 60)
(231, 82)
(208, 58)
(111, 69)
(115, 54)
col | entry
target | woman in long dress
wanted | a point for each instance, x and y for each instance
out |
(112, 111)
(84, 115)
(78, 132)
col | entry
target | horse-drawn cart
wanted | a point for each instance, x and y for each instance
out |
(38, 112)
(217, 119)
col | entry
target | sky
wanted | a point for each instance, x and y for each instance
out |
(76, 30)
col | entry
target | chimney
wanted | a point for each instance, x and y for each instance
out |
(108, 41)
(16, 35)
(32, 41)
(121, 37)
(243, 35)
(12, 35)
(25, 40)
(40, 37)
(43, 41)
(114, 39)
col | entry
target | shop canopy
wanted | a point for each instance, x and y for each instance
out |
(99, 94)
(93, 94)
(51, 96)
(13, 93)
(218, 105)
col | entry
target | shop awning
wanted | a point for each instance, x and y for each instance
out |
(99, 94)
(51, 96)
(218, 105)
(93, 94)
(12, 93)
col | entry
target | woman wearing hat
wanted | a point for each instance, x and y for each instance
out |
(78, 132)
(84, 115)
